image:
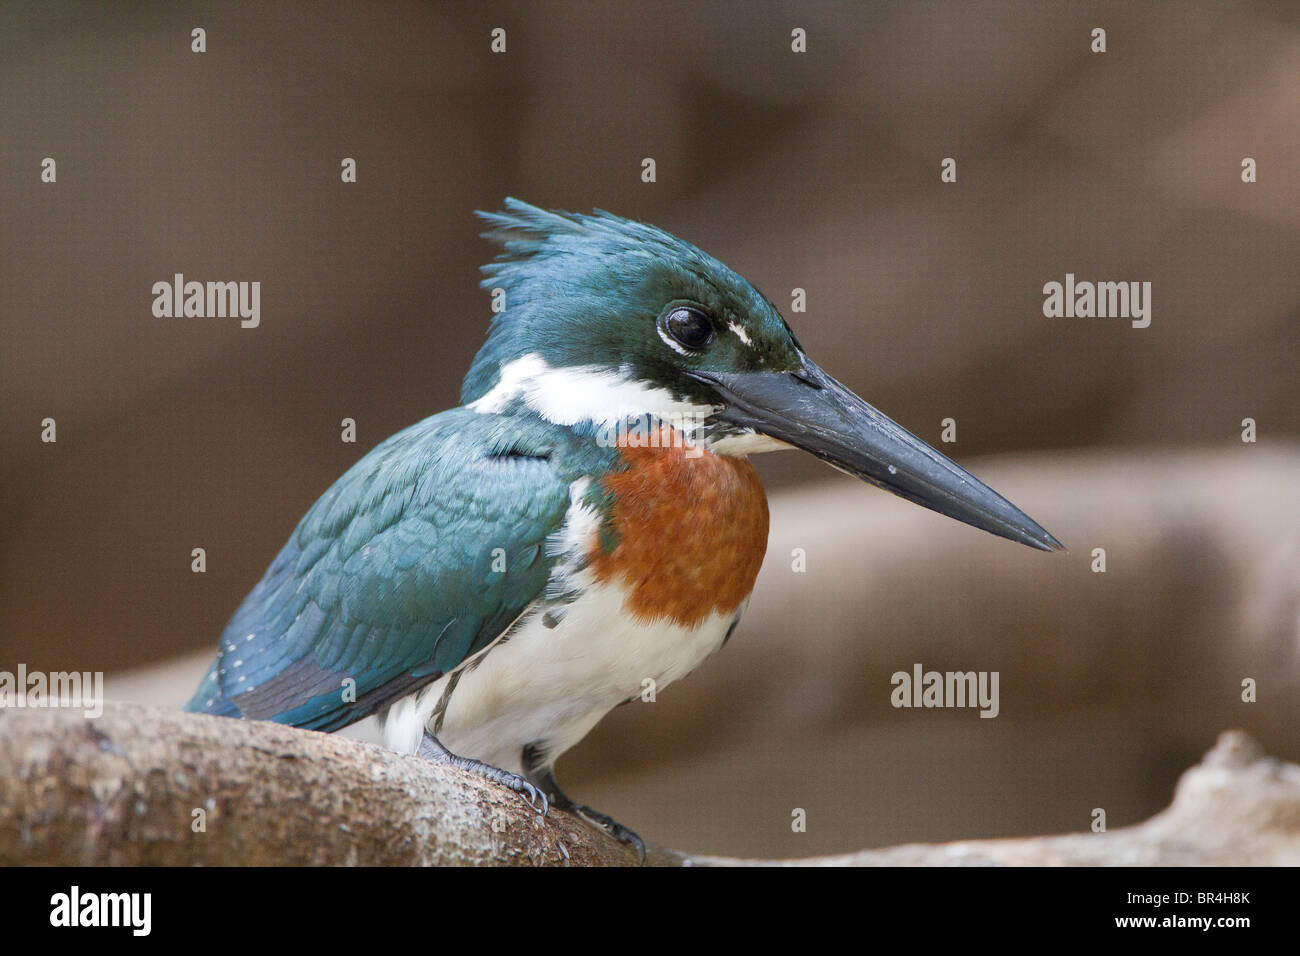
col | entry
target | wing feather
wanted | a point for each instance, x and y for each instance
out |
(396, 575)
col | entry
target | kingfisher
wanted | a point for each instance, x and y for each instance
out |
(493, 580)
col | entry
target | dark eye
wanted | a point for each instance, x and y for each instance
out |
(690, 327)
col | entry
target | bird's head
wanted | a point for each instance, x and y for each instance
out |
(603, 320)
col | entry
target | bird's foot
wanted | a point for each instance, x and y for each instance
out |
(611, 826)
(544, 778)
(431, 749)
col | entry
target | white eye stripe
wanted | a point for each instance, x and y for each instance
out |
(739, 331)
(671, 342)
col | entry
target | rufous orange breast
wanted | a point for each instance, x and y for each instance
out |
(691, 531)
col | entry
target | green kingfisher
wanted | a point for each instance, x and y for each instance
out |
(493, 580)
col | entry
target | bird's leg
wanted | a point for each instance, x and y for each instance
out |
(432, 749)
(544, 780)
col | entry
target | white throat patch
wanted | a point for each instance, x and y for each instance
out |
(567, 396)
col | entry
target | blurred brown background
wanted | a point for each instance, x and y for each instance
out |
(816, 170)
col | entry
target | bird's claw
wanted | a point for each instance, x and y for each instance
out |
(431, 749)
(536, 798)
(533, 795)
(615, 829)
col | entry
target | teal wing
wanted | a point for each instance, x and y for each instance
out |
(422, 554)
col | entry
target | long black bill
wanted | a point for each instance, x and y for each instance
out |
(812, 411)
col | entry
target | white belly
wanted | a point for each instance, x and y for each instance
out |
(553, 685)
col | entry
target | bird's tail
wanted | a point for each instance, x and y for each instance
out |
(209, 699)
